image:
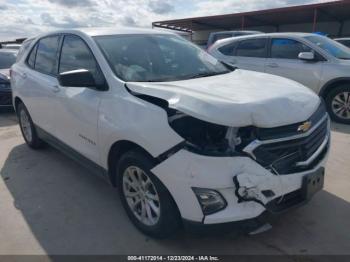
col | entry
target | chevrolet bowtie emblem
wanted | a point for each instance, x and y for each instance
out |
(304, 127)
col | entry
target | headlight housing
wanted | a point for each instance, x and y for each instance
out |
(211, 201)
(210, 139)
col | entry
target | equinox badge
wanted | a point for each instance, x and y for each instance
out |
(304, 127)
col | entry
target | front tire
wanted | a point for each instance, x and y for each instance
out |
(338, 104)
(147, 202)
(27, 128)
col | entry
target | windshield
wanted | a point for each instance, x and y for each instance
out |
(330, 46)
(157, 58)
(7, 60)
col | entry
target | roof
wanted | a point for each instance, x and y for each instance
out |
(330, 11)
(289, 34)
(342, 38)
(99, 31)
(236, 38)
(96, 31)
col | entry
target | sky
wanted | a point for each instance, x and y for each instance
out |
(26, 18)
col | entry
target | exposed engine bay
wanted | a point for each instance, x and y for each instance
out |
(208, 138)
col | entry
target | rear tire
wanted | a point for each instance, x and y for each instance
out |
(147, 202)
(27, 128)
(338, 104)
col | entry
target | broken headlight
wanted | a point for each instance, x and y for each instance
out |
(208, 138)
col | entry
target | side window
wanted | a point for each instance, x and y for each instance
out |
(346, 42)
(252, 48)
(76, 55)
(31, 57)
(46, 55)
(228, 49)
(287, 48)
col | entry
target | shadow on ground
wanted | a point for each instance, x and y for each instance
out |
(71, 211)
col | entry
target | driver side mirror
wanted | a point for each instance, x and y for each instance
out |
(306, 56)
(77, 78)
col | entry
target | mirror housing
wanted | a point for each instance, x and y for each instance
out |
(77, 78)
(306, 56)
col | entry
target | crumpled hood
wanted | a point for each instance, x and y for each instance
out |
(241, 98)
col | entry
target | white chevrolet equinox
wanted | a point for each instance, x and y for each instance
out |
(186, 139)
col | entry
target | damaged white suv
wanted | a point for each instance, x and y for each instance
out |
(185, 138)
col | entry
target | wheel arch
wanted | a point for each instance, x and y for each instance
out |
(331, 84)
(17, 101)
(115, 153)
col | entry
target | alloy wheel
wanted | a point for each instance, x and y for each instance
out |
(341, 105)
(141, 195)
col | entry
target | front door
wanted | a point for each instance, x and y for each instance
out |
(77, 110)
(284, 62)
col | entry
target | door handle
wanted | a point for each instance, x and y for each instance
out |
(56, 89)
(272, 65)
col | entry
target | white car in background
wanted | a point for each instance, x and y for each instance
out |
(344, 41)
(185, 138)
(315, 61)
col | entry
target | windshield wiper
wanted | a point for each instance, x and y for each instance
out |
(206, 74)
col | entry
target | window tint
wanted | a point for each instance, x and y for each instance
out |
(252, 48)
(46, 57)
(287, 48)
(228, 49)
(31, 58)
(345, 42)
(76, 55)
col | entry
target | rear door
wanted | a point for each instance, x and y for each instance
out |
(284, 62)
(38, 83)
(77, 110)
(251, 54)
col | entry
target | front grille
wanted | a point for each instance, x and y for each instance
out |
(290, 130)
(282, 157)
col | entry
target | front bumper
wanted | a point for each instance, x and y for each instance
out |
(6, 98)
(184, 170)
